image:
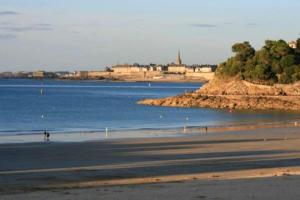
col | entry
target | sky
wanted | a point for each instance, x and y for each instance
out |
(92, 34)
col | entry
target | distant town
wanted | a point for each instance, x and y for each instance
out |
(126, 72)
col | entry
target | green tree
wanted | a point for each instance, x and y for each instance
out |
(287, 61)
(274, 62)
(243, 51)
(280, 48)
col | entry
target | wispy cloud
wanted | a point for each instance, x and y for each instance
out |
(7, 36)
(251, 24)
(8, 13)
(33, 27)
(204, 25)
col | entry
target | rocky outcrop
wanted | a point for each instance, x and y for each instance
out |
(236, 94)
(240, 87)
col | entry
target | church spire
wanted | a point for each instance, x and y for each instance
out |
(178, 59)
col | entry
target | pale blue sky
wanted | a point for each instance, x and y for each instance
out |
(92, 34)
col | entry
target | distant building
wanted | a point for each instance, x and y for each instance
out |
(82, 74)
(69, 75)
(190, 69)
(293, 44)
(173, 68)
(205, 69)
(158, 68)
(62, 74)
(178, 59)
(38, 74)
(178, 67)
(130, 68)
(6, 75)
(22, 74)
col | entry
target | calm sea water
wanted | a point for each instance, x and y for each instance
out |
(68, 106)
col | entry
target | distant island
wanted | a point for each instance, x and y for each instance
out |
(172, 72)
(264, 79)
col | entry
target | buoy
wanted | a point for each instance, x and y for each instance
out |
(106, 132)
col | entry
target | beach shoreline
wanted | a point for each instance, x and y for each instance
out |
(232, 155)
(119, 135)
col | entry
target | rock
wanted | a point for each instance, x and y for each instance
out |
(236, 94)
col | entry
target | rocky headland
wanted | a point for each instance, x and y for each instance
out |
(236, 94)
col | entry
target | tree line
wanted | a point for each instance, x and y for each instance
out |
(275, 62)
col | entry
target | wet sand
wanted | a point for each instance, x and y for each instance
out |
(145, 133)
(221, 165)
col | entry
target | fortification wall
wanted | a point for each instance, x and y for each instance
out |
(97, 74)
(204, 75)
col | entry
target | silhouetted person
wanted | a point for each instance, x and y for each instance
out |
(45, 135)
(48, 136)
(206, 129)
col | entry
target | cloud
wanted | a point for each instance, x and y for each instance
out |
(43, 25)
(33, 27)
(8, 13)
(251, 24)
(204, 25)
(7, 36)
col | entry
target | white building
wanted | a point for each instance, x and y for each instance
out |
(293, 44)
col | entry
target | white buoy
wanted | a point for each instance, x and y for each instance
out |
(106, 132)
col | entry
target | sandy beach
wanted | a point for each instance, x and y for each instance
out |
(262, 163)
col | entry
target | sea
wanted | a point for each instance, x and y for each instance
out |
(30, 107)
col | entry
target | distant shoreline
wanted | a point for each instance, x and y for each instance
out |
(117, 80)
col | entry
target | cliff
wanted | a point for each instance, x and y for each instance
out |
(236, 94)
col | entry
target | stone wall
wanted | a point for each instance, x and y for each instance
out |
(204, 75)
(97, 74)
(151, 75)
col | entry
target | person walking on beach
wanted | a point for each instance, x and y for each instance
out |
(205, 129)
(48, 136)
(45, 135)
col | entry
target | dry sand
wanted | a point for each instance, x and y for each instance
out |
(223, 165)
(275, 188)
